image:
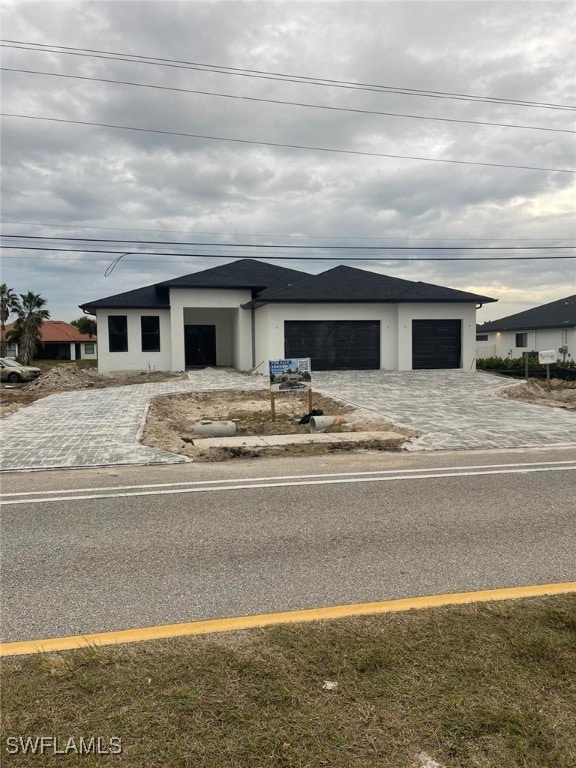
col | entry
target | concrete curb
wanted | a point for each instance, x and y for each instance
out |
(257, 441)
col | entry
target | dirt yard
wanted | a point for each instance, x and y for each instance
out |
(68, 376)
(170, 419)
(562, 394)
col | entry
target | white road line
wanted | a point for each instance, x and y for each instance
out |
(283, 485)
(192, 483)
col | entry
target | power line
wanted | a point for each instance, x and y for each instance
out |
(387, 257)
(288, 103)
(262, 74)
(286, 146)
(275, 234)
(300, 247)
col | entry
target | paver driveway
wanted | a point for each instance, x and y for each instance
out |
(455, 410)
(92, 427)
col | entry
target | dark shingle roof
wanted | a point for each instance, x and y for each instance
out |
(349, 284)
(556, 314)
(271, 283)
(149, 297)
(244, 273)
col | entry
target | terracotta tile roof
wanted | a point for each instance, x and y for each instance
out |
(58, 330)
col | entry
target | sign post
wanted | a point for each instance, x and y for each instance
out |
(545, 358)
(293, 375)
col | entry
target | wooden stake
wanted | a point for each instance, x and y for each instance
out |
(310, 400)
(272, 406)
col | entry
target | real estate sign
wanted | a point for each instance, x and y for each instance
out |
(290, 375)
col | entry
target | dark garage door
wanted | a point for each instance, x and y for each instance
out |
(334, 345)
(436, 344)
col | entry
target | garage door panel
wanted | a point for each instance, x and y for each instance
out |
(436, 344)
(334, 345)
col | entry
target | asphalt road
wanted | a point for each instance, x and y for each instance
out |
(91, 551)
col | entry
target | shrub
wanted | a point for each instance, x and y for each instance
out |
(519, 363)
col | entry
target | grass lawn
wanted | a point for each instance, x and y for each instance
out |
(490, 685)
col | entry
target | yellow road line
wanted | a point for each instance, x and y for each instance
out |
(265, 619)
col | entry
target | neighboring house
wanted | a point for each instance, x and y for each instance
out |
(60, 341)
(245, 313)
(550, 326)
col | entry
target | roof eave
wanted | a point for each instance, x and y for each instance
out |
(267, 300)
(91, 308)
(529, 327)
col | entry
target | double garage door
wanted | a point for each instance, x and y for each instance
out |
(339, 345)
(334, 345)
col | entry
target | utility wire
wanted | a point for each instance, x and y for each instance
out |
(300, 247)
(287, 103)
(285, 146)
(386, 257)
(54, 225)
(262, 74)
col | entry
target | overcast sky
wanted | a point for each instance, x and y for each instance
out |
(94, 182)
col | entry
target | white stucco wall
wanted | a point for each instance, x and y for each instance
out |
(197, 300)
(134, 359)
(262, 339)
(503, 343)
(234, 329)
(464, 312)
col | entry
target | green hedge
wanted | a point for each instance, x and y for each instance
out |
(517, 363)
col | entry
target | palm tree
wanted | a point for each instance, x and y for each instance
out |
(9, 302)
(27, 327)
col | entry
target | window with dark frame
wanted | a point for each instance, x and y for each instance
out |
(88, 348)
(150, 326)
(481, 337)
(521, 339)
(118, 333)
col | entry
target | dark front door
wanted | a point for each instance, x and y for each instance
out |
(199, 345)
(436, 344)
(334, 345)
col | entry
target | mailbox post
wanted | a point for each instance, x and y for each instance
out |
(545, 358)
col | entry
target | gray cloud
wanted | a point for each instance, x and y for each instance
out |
(81, 176)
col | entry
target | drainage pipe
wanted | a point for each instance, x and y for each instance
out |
(321, 423)
(214, 428)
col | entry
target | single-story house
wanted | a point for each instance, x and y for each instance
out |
(248, 312)
(60, 341)
(549, 326)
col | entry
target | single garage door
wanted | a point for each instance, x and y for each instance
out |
(334, 345)
(436, 344)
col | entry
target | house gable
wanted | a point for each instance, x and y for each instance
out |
(349, 284)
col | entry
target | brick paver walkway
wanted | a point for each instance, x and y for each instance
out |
(97, 427)
(455, 410)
